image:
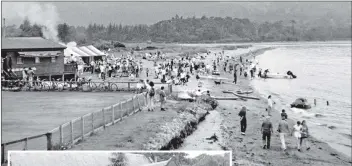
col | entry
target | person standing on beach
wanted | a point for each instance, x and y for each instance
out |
(267, 129)
(243, 120)
(162, 99)
(304, 134)
(296, 132)
(235, 76)
(151, 94)
(283, 114)
(283, 130)
(270, 105)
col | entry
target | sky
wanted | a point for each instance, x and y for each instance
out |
(129, 13)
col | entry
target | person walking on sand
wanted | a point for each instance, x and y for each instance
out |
(270, 105)
(283, 130)
(267, 129)
(243, 120)
(296, 132)
(162, 99)
(151, 93)
(304, 134)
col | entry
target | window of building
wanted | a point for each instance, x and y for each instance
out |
(37, 60)
(19, 60)
(53, 59)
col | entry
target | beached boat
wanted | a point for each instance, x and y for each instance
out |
(301, 103)
(213, 78)
(278, 76)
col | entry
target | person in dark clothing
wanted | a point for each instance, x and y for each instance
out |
(267, 129)
(240, 71)
(283, 114)
(241, 59)
(235, 76)
(147, 72)
(243, 120)
(252, 73)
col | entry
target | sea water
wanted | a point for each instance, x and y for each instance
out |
(323, 73)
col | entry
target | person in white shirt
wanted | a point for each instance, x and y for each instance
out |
(296, 132)
(270, 105)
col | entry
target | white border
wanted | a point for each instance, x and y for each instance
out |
(120, 151)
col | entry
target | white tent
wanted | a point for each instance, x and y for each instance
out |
(95, 50)
(88, 51)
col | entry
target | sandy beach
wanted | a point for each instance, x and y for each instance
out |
(224, 123)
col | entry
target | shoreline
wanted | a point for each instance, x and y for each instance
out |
(331, 156)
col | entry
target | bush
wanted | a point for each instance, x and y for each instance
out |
(207, 99)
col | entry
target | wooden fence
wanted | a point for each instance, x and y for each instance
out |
(78, 129)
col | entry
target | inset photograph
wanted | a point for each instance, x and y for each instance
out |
(120, 158)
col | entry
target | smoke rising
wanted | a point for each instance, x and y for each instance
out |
(45, 15)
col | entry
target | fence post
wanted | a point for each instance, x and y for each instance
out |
(61, 135)
(92, 122)
(49, 144)
(129, 86)
(82, 119)
(113, 114)
(121, 112)
(133, 105)
(72, 137)
(139, 104)
(2, 153)
(103, 117)
(25, 144)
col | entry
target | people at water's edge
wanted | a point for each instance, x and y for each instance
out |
(304, 134)
(283, 114)
(243, 120)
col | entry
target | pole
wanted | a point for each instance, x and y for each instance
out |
(49, 144)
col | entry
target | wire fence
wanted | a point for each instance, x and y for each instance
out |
(70, 133)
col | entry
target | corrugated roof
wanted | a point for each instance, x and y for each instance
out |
(162, 163)
(79, 51)
(95, 50)
(29, 43)
(87, 51)
(136, 159)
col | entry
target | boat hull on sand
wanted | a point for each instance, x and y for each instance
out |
(278, 76)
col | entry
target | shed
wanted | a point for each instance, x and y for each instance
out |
(46, 57)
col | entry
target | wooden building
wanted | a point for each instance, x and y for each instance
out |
(44, 56)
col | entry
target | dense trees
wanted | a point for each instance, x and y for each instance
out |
(204, 29)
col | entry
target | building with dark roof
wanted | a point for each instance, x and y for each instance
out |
(44, 56)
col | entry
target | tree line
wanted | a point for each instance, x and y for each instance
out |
(191, 30)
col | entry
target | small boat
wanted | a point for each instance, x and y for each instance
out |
(289, 75)
(301, 103)
(215, 72)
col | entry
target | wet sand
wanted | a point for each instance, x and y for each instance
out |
(247, 150)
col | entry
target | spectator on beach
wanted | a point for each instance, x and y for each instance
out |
(162, 99)
(92, 66)
(283, 130)
(243, 120)
(267, 129)
(147, 72)
(296, 132)
(270, 105)
(283, 114)
(235, 76)
(30, 76)
(151, 94)
(208, 93)
(304, 134)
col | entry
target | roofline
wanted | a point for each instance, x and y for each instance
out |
(33, 49)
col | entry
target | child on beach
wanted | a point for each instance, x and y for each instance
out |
(270, 105)
(283, 114)
(151, 93)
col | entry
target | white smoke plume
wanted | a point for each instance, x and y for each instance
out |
(45, 15)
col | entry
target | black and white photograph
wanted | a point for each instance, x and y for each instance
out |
(269, 81)
(120, 158)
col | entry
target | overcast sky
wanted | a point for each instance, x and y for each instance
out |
(83, 13)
